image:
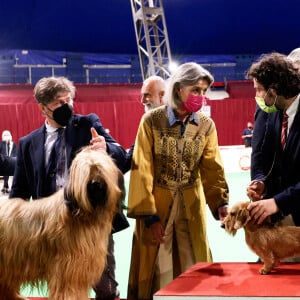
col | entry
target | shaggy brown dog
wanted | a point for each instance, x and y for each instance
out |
(61, 239)
(271, 242)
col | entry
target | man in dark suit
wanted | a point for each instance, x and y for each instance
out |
(37, 176)
(262, 164)
(7, 148)
(275, 188)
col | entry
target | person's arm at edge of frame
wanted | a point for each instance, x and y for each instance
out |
(141, 170)
(213, 177)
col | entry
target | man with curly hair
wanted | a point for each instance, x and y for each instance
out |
(275, 188)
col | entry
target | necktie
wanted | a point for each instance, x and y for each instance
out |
(7, 149)
(284, 128)
(54, 158)
(61, 160)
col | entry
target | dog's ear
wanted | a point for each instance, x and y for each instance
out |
(70, 202)
(97, 192)
(229, 223)
(243, 216)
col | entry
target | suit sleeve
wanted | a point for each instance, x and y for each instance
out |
(258, 137)
(141, 200)
(264, 143)
(212, 173)
(128, 159)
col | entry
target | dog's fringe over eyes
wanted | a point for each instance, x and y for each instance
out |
(97, 192)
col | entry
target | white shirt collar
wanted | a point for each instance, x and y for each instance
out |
(49, 128)
(291, 111)
(293, 107)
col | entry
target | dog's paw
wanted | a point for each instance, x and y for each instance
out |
(264, 271)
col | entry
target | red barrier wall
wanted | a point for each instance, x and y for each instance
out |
(120, 110)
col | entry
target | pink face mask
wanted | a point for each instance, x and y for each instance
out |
(193, 103)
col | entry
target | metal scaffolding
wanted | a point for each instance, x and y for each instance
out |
(152, 37)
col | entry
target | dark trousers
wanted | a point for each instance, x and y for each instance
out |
(106, 288)
(5, 182)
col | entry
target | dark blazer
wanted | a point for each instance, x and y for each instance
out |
(7, 165)
(280, 167)
(30, 178)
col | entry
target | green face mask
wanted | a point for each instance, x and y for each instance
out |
(268, 109)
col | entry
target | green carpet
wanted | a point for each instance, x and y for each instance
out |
(224, 248)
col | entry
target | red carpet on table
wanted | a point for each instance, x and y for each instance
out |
(39, 298)
(233, 280)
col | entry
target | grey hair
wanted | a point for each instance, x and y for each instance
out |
(294, 56)
(185, 75)
(47, 88)
(159, 81)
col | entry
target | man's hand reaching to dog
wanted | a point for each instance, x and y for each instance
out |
(255, 190)
(260, 210)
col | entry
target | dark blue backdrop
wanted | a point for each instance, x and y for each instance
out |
(194, 26)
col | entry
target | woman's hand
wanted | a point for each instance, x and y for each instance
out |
(157, 232)
(222, 212)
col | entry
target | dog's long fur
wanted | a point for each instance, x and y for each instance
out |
(271, 242)
(61, 239)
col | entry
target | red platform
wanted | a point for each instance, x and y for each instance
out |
(233, 280)
(39, 298)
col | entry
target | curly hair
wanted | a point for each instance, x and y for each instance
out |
(276, 71)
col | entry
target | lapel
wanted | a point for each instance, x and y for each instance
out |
(38, 152)
(69, 142)
(294, 133)
(70, 139)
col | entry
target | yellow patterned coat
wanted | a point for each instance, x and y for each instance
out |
(165, 161)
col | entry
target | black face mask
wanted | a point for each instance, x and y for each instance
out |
(62, 114)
